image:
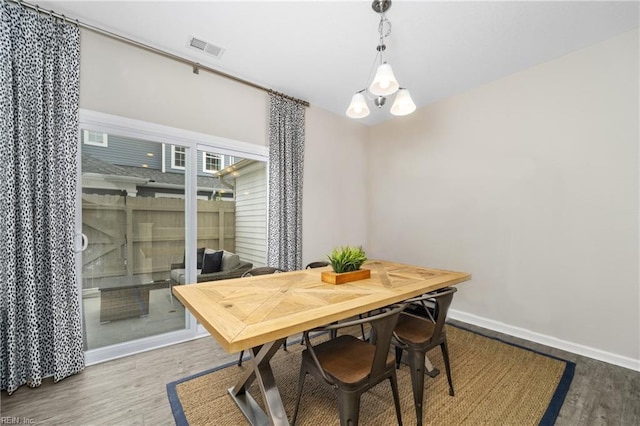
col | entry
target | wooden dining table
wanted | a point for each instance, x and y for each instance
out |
(258, 313)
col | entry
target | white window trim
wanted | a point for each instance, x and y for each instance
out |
(204, 162)
(87, 141)
(173, 159)
(129, 127)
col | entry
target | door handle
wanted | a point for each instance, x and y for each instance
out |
(84, 244)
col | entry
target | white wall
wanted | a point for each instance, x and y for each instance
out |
(118, 79)
(530, 183)
(334, 197)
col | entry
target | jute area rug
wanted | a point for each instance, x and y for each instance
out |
(496, 383)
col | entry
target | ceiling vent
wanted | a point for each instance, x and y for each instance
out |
(203, 46)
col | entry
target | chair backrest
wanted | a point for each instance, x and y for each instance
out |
(441, 300)
(318, 264)
(262, 270)
(382, 326)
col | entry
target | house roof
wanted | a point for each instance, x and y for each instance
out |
(154, 177)
(91, 164)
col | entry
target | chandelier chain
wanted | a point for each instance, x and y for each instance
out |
(383, 21)
(381, 32)
(373, 68)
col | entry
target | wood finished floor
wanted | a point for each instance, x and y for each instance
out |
(132, 390)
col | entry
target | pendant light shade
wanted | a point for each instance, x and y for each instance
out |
(403, 104)
(384, 83)
(358, 107)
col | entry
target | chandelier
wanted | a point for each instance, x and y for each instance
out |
(384, 84)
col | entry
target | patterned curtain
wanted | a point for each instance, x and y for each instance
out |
(286, 158)
(41, 332)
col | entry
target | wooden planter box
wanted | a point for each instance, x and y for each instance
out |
(345, 277)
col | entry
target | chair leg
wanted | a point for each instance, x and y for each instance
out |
(445, 357)
(396, 397)
(301, 377)
(364, 336)
(349, 408)
(398, 357)
(416, 365)
(284, 345)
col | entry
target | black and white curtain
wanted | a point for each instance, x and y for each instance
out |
(41, 332)
(286, 159)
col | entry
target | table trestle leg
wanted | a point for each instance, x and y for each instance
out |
(261, 370)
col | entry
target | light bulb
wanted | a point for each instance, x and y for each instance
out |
(358, 107)
(403, 104)
(384, 83)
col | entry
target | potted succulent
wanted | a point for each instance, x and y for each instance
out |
(346, 262)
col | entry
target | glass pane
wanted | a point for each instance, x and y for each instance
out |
(133, 217)
(232, 206)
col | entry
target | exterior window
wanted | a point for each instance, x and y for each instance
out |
(178, 157)
(95, 138)
(230, 160)
(211, 162)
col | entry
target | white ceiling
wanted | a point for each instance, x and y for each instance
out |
(323, 52)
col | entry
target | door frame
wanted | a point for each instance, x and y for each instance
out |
(193, 141)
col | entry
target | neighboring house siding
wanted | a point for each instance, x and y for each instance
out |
(134, 152)
(121, 158)
(170, 169)
(127, 152)
(251, 210)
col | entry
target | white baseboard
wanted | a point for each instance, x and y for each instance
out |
(611, 358)
(108, 353)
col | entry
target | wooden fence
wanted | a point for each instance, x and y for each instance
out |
(145, 235)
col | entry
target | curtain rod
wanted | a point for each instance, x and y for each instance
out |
(195, 65)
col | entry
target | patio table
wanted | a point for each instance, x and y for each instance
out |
(125, 296)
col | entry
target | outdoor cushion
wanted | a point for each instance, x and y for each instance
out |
(230, 267)
(199, 257)
(229, 261)
(212, 262)
(177, 275)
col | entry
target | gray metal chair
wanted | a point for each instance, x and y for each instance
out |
(351, 366)
(261, 270)
(420, 332)
(319, 264)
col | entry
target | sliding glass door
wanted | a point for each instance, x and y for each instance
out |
(133, 219)
(152, 199)
(235, 221)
